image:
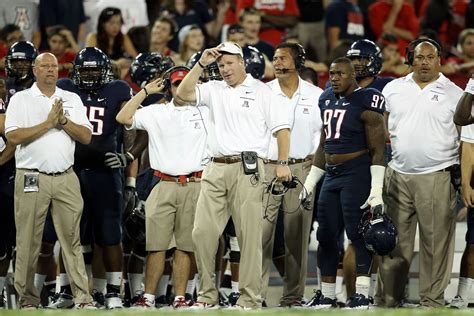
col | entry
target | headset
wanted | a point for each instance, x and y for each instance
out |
(167, 75)
(410, 50)
(300, 58)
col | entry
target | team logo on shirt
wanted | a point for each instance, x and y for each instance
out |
(22, 19)
(326, 103)
(245, 104)
(435, 98)
(305, 111)
(66, 112)
(197, 125)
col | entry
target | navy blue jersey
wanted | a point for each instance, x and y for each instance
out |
(102, 108)
(7, 171)
(379, 83)
(344, 128)
(152, 99)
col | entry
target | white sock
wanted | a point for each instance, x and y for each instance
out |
(235, 286)
(149, 297)
(328, 290)
(99, 285)
(63, 279)
(39, 281)
(339, 280)
(58, 288)
(114, 278)
(162, 285)
(190, 286)
(362, 285)
(464, 287)
(373, 284)
(135, 280)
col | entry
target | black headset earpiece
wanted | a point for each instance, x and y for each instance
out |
(300, 57)
(410, 50)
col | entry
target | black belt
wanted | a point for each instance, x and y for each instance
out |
(291, 161)
(52, 174)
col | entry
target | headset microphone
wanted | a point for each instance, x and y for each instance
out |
(286, 70)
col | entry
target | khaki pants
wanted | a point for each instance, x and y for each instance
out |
(297, 225)
(169, 210)
(427, 200)
(226, 191)
(64, 194)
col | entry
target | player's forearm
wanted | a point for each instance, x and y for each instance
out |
(283, 140)
(467, 160)
(125, 115)
(462, 115)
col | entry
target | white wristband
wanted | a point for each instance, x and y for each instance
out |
(377, 173)
(313, 177)
(131, 182)
(470, 86)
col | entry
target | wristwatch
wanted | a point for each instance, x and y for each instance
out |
(282, 162)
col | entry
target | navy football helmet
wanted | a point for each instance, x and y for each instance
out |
(92, 69)
(378, 231)
(371, 52)
(211, 72)
(19, 61)
(254, 62)
(148, 66)
(134, 224)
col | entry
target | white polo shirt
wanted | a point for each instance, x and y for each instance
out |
(242, 118)
(176, 136)
(304, 118)
(54, 150)
(422, 132)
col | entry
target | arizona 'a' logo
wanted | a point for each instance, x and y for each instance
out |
(22, 19)
(246, 104)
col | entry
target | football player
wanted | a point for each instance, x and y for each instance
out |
(351, 156)
(19, 70)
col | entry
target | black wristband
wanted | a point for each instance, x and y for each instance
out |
(64, 122)
(201, 65)
(146, 92)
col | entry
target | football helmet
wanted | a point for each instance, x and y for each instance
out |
(378, 231)
(254, 62)
(19, 61)
(148, 66)
(371, 52)
(210, 72)
(92, 69)
(134, 224)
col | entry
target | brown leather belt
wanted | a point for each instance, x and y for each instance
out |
(192, 177)
(227, 159)
(291, 161)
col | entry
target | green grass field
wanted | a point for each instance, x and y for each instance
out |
(271, 311)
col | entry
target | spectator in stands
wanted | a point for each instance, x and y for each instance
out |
(276, 19)
(191, 41)
(405, 27)
(251, 21)
(69, 13)
(189, 12)
(236, 34)
(62, 45)
(134, 12)
(316, 66)
(109, 38)
(9, 35)
(344, 20)
(309, 75)
(311, 28)
(162, 32)
(140, 37)
(464, 62)
(393, 64)
(25, 15)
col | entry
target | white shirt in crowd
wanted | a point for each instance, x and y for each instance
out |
(304, 118)
(423, 135)
(176, 136)
(54, 150)
(243, 118)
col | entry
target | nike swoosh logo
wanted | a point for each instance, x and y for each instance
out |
(344, 103)
(247, 92)
(302, 99)
(100, 100)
